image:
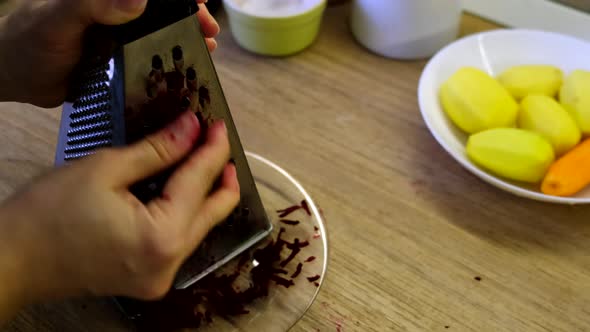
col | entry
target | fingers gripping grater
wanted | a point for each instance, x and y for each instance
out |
(133, 80)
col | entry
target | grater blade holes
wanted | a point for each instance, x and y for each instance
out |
(91, 120)
(93, 145)
(91, 137)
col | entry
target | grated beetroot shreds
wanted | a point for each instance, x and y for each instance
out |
(314, 278)
(305, 206)
(303, 244)
(295, 249)
(204, 97)
(294, 252)
(297, 271)
(289, 222)
(282, 281)
(280, 271)
(216, 295)
(288, 211)
(310, 259)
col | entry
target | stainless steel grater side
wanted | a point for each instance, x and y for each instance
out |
(133, 80)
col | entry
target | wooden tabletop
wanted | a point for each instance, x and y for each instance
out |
(417, 243)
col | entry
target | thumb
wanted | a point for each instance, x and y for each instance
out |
(155, 153)
(107, 12)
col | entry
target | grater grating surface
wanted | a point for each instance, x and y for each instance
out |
(90, 126)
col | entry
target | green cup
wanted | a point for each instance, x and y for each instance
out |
(275, 35)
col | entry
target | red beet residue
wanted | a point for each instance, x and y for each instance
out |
(289, 222)
(288, 211)
(310, 259)
(305, 206)
(297, 271)
(175, 81)
(297, 244)
(165, 196)
(282, 281)
(294, 252)
(316, 235)
(314, 278)
(169, 92)
(204, 97)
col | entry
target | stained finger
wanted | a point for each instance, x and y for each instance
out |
(193, 180)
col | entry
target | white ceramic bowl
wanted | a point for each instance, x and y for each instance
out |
(493, 52)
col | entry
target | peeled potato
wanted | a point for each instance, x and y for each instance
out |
(525, 80)
(474, 101)
(575, 98)
(545, 116)
(513, 153)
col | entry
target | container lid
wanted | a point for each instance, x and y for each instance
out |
(274, 13)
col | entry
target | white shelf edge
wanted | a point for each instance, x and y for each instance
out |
(533, 14)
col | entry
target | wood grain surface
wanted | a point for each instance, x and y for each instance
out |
(417, 243)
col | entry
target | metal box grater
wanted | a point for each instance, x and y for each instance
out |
(127, 75)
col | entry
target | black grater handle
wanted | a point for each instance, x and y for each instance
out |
(158, 14)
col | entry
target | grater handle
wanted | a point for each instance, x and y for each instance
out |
(158, 14)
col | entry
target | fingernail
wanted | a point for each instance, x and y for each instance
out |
(211, 44)
(130, 5)
(219, 127)
(185, 127)
(233, 173)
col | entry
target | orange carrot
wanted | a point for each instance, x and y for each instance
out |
(570, 173)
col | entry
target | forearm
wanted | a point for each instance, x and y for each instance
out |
(13, 275)
(34, 268)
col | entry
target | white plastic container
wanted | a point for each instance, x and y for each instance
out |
(405, 29)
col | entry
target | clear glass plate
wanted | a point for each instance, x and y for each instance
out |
(283, 307)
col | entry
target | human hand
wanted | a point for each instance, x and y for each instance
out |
(41, 43)
(80, 231)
